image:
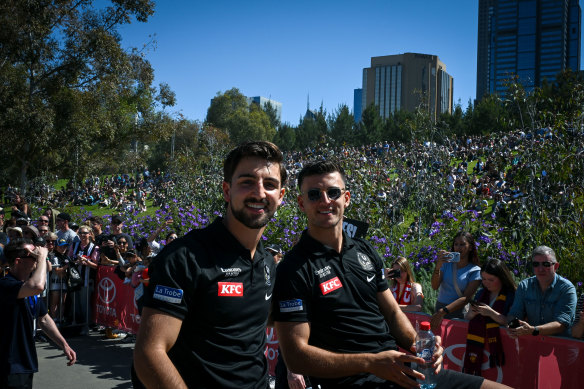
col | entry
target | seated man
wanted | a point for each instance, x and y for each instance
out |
(544, 303)
(336, 318)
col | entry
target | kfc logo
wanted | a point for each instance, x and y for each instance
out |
(330, 285)
(232, 289)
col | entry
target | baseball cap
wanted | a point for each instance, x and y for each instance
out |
(62, 242)
(117, 219)
(64, 216)
(274, 248)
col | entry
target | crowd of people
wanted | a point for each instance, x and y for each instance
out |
(176, 285)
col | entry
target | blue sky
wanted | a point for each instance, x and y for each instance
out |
(288, 50)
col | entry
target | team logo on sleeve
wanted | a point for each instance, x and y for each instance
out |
(364, 261)
(230, 289)
(330, 285)
(168, 294)
(267, 275)
(291, 305)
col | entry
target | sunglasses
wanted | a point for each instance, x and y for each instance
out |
(122, 242)
(544, 264)
(332, 193)
(84, 233)
(43, 221)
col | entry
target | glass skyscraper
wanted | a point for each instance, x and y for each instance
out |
(530, 39)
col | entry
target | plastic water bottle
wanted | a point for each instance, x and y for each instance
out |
(425, 344)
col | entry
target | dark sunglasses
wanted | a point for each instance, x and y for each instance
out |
(544, 264)
(331, 193)
(43, 221)
(122, 242)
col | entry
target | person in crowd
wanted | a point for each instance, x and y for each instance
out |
(63, 230)
(457, 281)
(170, 236)
(43, 230)
(14, 233)
(52, 213)
(578, 327)
(43, 221)
(207, 303)
(117, 229)
(276, 251)
(85, 255)
(405, 290)
(545, 303)
(336, 318)
(21, 306)
(143, 248)
(57, 281)
(487, 312)
(20, 206)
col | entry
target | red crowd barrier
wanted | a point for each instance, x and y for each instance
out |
(531, 362)
(114, 304)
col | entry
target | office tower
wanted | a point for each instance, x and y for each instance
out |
(357, 107)
(405, 81)
(262, 102)
(530, 39)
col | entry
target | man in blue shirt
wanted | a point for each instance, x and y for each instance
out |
(544, 303)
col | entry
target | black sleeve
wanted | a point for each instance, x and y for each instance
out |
(173, 277)
(291, 300)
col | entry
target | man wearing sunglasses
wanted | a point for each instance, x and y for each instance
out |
(336, 318)
(545, 303)
(21, 306)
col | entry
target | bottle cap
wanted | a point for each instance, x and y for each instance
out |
(425, 326)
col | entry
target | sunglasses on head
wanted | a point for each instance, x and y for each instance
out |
(331, 193)
(544, 264)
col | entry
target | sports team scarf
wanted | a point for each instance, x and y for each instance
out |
(405, 298)
(482, 328)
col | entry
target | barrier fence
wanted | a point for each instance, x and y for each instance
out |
(531, 362)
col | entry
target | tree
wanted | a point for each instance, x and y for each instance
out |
(371, 126)
(67, 83)
(231, 112)
(341, 125)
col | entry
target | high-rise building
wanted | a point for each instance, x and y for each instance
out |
(357, 101)
(262, 102)
(405, 81)
(530, 39)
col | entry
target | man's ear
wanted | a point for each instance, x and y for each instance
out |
(300, 202)
(226, 191)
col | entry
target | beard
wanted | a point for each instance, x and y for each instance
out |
(252, 221)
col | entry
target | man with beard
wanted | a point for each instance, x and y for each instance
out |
(207, 303)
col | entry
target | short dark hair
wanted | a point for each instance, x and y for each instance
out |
(317, 168)
(261, 149)
(15, 249)
(96, 219)
(117, 219)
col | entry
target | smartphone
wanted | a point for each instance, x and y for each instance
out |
(514, 323)
(452, 257)
(474, 303)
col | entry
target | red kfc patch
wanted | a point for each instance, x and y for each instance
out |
(330, 285)
(232, 289)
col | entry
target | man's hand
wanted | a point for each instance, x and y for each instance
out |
(295, 381)
(71, 355)
(437, 357)
(390, 365)
(436, 321)
(523, 329)
(40, 253)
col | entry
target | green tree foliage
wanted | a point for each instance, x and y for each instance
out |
(69, 92)
(371, 126)
(285, 137)
(231, 112)
(342, 126)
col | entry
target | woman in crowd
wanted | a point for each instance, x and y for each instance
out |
(578, 327)
(20, 204)
(489, 310)
(457, 281)
(407, 293)
(58, 280)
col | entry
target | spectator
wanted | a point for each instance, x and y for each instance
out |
(457, 281)
(52, 215)
(406, 291)
(578, 328)
(489, 307)
(85, 255)
(63, 230)
(545, 303)
(20, 206)
(14, 233)
(276, 252)
(20, 307)
(57, 282)
(170, 236)
(116, 228)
